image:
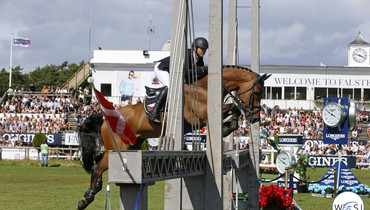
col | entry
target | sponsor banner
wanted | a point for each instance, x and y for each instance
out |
(191, 137)
(290, 139)
(321, 143)
(18, 154)
(54, 139)
(329, 161)
(71, 139)
(345, 176)
(282, 184)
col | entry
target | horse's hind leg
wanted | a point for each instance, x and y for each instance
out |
(96, 182)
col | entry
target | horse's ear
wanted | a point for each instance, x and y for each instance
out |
(267, 76)
(261, 77)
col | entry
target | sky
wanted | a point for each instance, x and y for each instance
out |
(304, 32)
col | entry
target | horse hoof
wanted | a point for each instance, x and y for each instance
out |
(82, 204)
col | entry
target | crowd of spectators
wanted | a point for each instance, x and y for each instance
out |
(47, 111)
(309, 124)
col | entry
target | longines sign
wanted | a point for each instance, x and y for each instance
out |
(54, 139)
(320, 82)
(329, 161)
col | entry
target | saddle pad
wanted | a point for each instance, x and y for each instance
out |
(149, 104)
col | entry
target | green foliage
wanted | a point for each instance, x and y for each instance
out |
(38, 139)
(48, 75)
(4, 78)
(302, 165)
(268, 170)
(144, 145)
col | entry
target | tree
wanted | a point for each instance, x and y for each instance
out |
(48, 75)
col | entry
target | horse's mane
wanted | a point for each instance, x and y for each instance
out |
(237, 67)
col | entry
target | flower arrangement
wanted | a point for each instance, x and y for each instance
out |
(302, 164)
(275, 196)
(270, 170)
(360, 189)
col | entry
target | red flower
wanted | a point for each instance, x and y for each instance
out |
(274, 195)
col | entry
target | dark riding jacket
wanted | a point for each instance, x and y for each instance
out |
(165, 64)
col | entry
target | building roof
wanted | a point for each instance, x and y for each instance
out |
(359, 40)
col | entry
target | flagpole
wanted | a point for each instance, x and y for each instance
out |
(110, 129)
(11, 60)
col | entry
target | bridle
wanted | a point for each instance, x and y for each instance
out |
(247, 109)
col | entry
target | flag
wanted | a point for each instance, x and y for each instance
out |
(265, 135)
(116, 121)
(21, 42)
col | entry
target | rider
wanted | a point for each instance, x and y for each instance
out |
(162, 67)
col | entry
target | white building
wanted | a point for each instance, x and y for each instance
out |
(109, 67)
(304, 86)
(289, 86)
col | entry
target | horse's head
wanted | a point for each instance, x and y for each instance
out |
(251, 93)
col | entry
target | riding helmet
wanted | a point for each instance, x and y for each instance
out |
(200, 42)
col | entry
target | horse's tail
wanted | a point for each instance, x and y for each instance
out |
(89, 133)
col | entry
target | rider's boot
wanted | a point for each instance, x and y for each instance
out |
(155, 114)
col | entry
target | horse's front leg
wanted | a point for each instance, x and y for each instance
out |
(232, 113)
(96, 182)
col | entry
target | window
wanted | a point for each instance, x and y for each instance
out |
(366, 94)
(320, 93)
(106, 89)
(276, 92)
(301, 93)
(348, 93)
(268, 93)
(332, 92)
(289, 93)
(357, 94)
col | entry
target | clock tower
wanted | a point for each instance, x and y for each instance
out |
(358, 52)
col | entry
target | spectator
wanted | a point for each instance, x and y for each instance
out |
(364, 115)
(44, 153)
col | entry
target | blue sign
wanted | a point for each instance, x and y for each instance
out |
(339, 134)
(345, 176)
(282, 184)
(326, 161)
(197, 138)
(54, 139)
(290, 139)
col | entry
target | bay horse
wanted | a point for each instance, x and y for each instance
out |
(94, 131)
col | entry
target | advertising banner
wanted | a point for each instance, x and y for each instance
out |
(18, 154)
(328, 161)
(198, 138)
(71, 139)
(290, 139)
(54, 139)
(345, 176)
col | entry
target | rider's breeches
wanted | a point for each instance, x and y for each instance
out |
(163, 76)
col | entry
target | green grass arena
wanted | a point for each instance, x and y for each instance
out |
(25, 185)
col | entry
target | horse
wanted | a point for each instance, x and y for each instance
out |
(94, 132)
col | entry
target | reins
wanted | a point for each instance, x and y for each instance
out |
(247, 109)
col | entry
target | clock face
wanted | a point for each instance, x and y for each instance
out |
(359, 55)
(283, 161)
(332, 114)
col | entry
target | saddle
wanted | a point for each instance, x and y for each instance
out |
(151, 97)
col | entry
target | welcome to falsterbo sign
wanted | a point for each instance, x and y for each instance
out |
(321, 81)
